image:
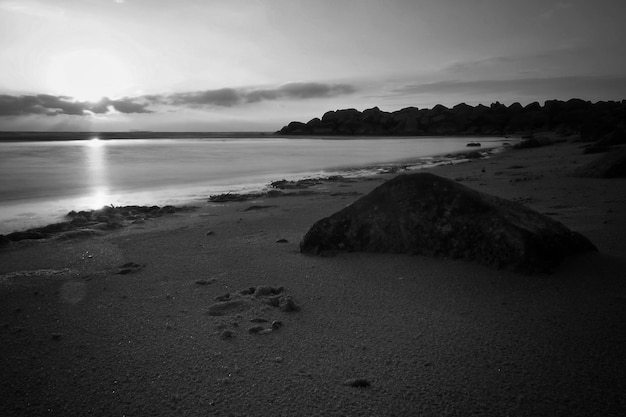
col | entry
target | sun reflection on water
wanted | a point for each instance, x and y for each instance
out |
(99, 197)
(99, 194)
(96, 142)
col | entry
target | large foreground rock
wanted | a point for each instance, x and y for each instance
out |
(430, 215)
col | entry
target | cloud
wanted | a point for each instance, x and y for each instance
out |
(33, 8)
(571, 86)
(49, 105)
(555, 10)
(228, 97)
(225, 97)
(303, 91)
(124, 105)
(481, 64)
(39, 104)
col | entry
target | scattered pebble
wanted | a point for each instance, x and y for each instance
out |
(282, 241)
(256, 329)
(228, 307)
(258, 320)
(287, 304)
(210, 233)
(265, 290)
(277, 359)
(357, 382)
(248, 291)
(227, 334)
(224, 297)
(56, 336)
(129, 268)
(277, 324)
(272, 301)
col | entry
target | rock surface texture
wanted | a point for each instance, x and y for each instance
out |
(430, 215)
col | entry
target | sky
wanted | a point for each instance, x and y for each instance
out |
(256, 65)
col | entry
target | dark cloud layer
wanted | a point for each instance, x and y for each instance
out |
(571, 86)
(50, 105)
(227, 97)
(300, 91)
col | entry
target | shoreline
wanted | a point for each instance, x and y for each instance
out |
(192, 195)
(137, 321)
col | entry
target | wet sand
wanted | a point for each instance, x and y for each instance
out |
(128, 323)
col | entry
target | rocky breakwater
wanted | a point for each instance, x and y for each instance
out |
(593, 121)
(429, 215)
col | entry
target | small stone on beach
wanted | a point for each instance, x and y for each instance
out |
(357, 382)
(273, 301)
(247, 291)
(228, 307)
(227, 334)
(224, 297)
(129, 268)
(265, 290)
(258, 320)
(287, 304)
(256, 329)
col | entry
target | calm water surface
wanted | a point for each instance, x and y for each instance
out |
(42, 181)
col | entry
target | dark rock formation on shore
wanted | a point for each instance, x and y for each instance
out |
(430, 215)
(592, 121)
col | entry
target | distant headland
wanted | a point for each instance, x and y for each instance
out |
(592, 121)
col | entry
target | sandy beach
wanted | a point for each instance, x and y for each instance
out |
(137, 322)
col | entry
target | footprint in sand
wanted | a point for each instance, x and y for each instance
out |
(246, 304)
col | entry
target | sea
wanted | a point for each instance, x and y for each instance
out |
(43, 176)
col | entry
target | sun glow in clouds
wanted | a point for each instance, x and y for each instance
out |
(89, 75)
